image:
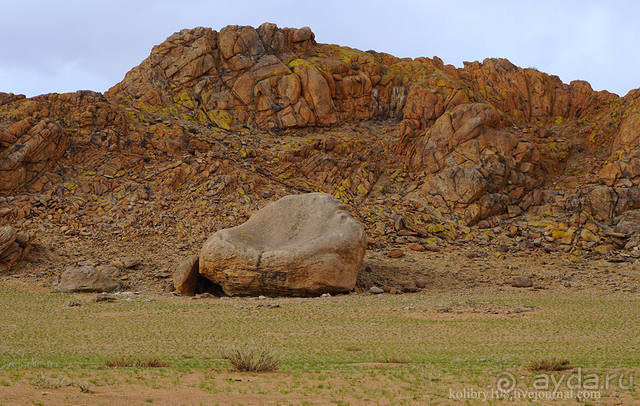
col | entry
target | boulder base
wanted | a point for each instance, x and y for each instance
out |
(301, 245)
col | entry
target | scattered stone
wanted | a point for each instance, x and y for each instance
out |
(164, 274)
(409, 287)
(326, 295)
(105, 297)
(421, 283)
(521, 282)
(417, 247)
(73, 303)
(376, 290)
(396, 253)
(268, 306)
(85, 279)
(128, 263)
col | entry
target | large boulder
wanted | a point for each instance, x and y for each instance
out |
(301, 245)
(85, 279)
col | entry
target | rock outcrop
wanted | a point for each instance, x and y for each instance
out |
(472, 166)
(301, 245)
(213, 124)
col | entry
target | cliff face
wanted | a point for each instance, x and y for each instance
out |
(483, 143)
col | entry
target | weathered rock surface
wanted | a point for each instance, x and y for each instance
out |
(13, 246)
(85, 279)
(300, 245)
(472, 166)
(186, 276)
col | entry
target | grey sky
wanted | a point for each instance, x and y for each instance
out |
(60, 46)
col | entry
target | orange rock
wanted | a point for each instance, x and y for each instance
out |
(397, 253)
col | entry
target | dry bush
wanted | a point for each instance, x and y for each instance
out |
(393, 359)
(253, 360)
(43, 382)
(150, 362)
(549, 364)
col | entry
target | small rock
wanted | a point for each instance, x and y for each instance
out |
(262, 297)
(375, 290)
(164, 274)
(326, 295)
(85, 279)
(417, 247)
(409, 287)
(128, 263)
(421, 283)
(105, 297)
(521, 282)
(397, 253)
(73, 303)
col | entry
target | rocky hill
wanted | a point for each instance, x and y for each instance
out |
(214, 124)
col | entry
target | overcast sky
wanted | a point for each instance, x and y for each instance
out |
(61, 46)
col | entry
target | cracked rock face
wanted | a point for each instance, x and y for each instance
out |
(472, 166)
(300, 245)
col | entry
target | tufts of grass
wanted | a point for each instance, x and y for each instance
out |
(44, 382)
(121, 362)
(253, 359)
(393, 360)
(549, 364)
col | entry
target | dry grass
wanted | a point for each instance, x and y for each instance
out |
(43, 382)
(394, 360)
(323, 345)
(549, 364)
(253, 359)
(121, 362)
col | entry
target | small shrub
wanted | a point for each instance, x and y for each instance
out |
(118, 363)
(150, 362)
(393, 360)
(44, 382)
(253, 360)
(549, 364)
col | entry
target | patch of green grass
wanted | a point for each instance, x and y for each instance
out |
(400, 340)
